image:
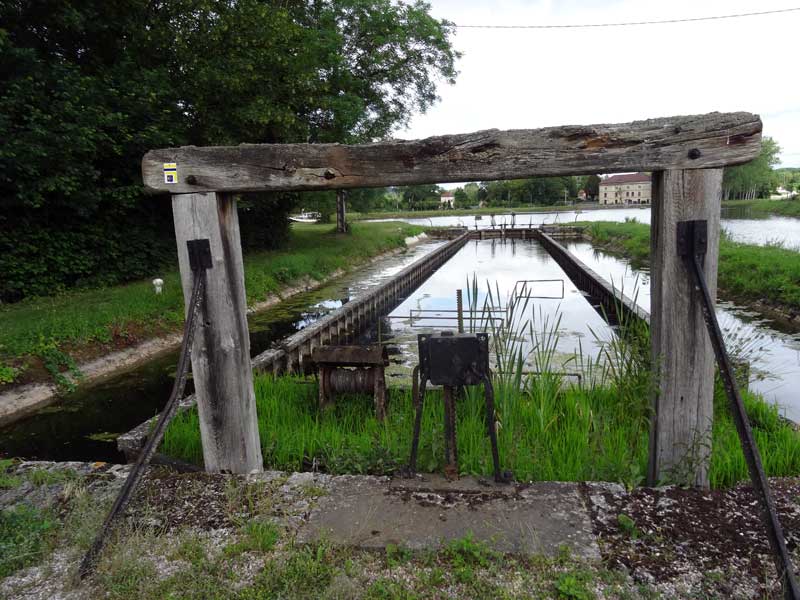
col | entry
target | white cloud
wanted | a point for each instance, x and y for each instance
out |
(535, 78)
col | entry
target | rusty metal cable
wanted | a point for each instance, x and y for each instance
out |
(154, 439)
(769, 516)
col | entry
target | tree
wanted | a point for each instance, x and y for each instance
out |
(460, 199)
(110, 80)
(471, 190)
(521, 192)
(755, 178)
(366, 200)
(415, 195)
(591, 185)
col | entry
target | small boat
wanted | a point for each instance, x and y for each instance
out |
(305, 217)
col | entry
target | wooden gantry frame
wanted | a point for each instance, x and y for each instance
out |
(685, 154)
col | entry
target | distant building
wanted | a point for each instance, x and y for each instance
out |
(582, 195)
(626, 189)
(447, 200)
(782, 193)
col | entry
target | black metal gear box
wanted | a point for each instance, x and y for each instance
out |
(453, 359)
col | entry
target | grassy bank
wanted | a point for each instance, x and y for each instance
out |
(54, 332)
(550, 428)
(764, 207)
(747, 272)
(487, 210)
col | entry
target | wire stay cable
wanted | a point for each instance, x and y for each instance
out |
(634, 23)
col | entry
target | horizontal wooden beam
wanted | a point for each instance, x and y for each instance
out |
(688, 142)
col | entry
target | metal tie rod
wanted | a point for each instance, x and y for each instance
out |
(199, 260)
(692, 245)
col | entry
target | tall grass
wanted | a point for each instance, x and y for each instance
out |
(546, 433)
(549, 427)
(550, 430)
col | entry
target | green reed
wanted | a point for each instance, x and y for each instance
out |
(550, 426)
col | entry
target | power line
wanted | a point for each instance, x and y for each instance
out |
(630, 23)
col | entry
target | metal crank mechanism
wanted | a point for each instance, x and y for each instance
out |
(453, 361)
(692, 244)
(199, 261)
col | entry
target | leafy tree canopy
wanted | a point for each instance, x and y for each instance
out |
(425, 196)
(88, 87)
(591, 185)
(538, 190)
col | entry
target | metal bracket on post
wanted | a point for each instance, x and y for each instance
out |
(692, 245)
(199, 254)
(692, 238)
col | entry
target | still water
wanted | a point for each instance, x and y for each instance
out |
(550, 304)
(774, 355)
(738, 223)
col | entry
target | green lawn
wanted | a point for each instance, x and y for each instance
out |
(746, 272)
(73, 321)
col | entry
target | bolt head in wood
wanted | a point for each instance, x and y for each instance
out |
(694, 153)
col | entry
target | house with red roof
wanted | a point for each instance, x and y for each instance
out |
(631, 188)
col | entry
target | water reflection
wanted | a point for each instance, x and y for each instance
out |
(498, 266)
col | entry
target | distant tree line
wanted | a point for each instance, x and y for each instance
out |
(504, 193)
(86, 88)
(789, 179)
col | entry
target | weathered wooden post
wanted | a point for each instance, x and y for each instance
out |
(341, 216)
(683, 358)
(221, 367)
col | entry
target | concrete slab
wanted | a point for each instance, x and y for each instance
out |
(427, 512)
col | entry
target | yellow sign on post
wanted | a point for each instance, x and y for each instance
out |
(170, 172)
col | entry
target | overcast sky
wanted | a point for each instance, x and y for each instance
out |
(512, 79)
